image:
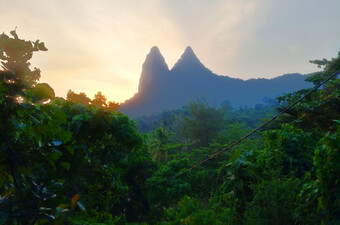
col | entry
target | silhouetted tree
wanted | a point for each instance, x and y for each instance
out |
(112, 105)
(14, 55)
(99, 100)
(78, 98)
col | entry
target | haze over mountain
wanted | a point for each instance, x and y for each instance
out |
(163, 89)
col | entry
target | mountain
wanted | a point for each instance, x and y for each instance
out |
(163, 89)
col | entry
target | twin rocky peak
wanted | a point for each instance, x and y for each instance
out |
(155, 67)
(189, 80)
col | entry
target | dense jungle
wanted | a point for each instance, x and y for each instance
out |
(80, 161)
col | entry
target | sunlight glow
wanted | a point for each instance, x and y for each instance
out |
(101, 45)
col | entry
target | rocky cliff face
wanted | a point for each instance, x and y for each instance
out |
(189, 63)
(163, 89)
(154, 69)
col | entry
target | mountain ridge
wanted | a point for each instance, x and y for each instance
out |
(161, 88)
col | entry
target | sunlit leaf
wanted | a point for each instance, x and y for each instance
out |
(75, 199)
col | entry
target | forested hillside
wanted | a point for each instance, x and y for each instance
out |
(81, 161)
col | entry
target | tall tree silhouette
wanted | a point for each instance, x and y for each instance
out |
(99, 100)
(78, 98)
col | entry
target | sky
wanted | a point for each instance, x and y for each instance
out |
(100, 45)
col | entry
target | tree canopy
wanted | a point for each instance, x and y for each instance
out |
(81, 161)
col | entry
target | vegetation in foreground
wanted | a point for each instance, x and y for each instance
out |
(80, 161)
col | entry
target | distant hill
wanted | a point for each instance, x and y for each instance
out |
(163, 89)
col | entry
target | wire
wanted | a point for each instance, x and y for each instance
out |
(250, 133)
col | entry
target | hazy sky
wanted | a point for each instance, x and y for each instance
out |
(100, 45)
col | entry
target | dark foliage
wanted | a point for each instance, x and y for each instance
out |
(80, 161)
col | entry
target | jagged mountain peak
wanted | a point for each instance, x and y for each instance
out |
(155, 61)
(189, 51)
(155, 56)
(154, 66)
(160, 89)
(155, 50)
(188, 61)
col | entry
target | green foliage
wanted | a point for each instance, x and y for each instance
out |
(110, 169)
(169, 193)
(319, 197)
(61, 157)
(273, 201)
(81, 162)
(78, 98)
(14, 56)
(202, 125)
(288, 149)
(98, 101)
(94, 217)
(190, 212)
(160, 144)
(42, 92)
(286, 175)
